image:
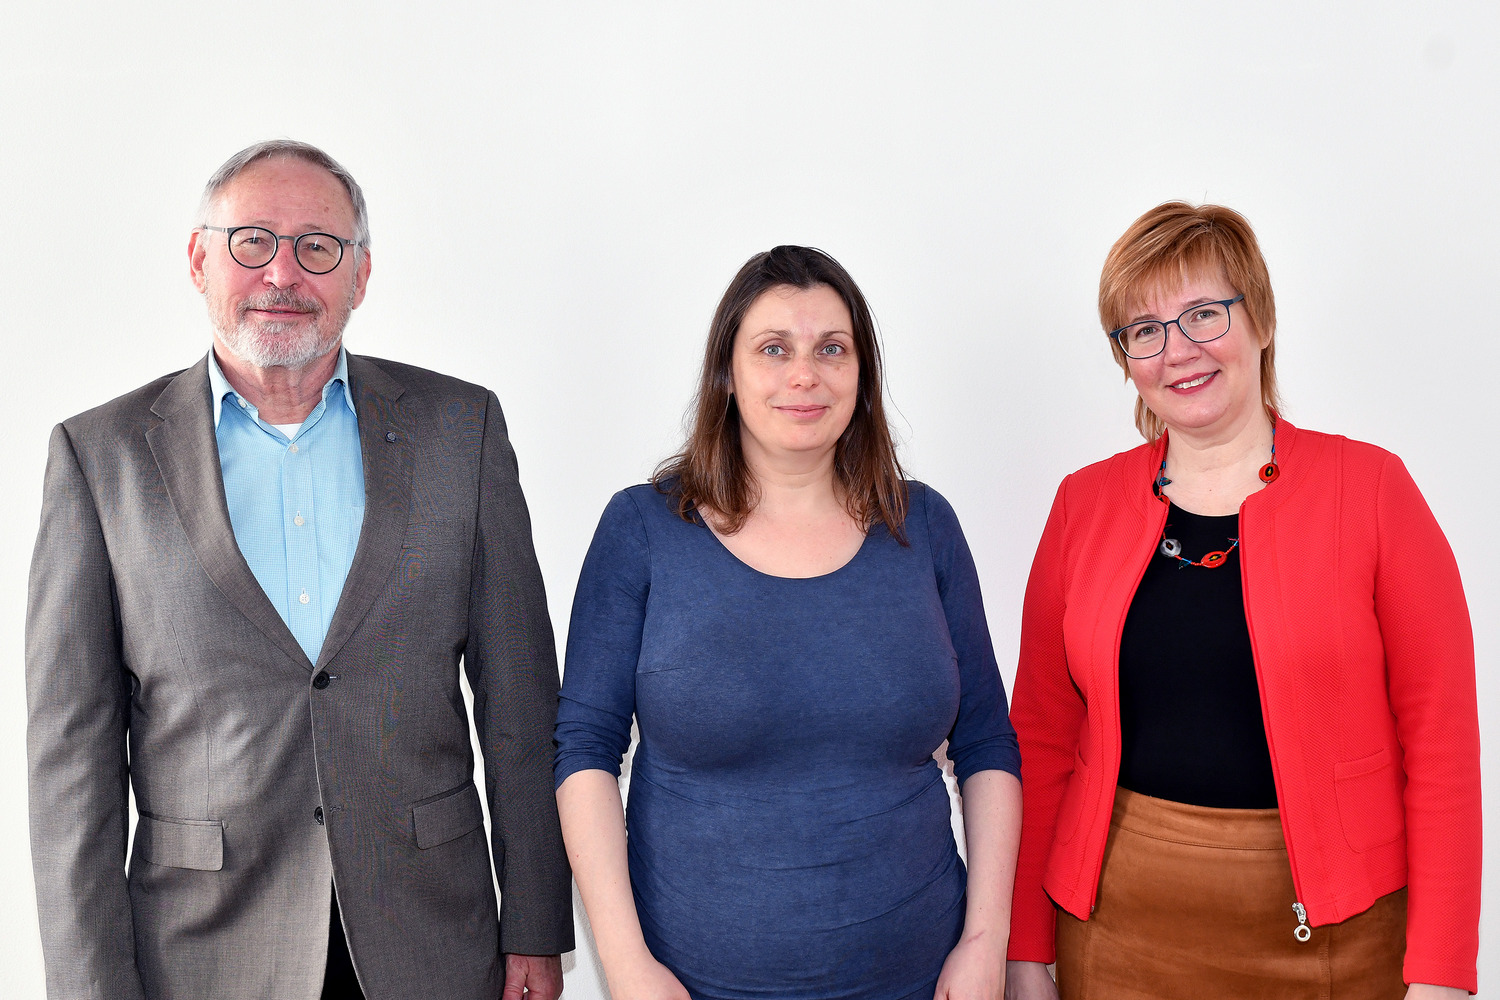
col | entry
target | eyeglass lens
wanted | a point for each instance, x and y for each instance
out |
(1199, 324)
(318, 253)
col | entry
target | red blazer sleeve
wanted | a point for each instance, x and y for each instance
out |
(1048, 713)
(1429, 655)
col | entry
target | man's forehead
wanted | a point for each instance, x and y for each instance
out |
(272, 189)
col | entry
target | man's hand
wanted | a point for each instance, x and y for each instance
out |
(538, 977)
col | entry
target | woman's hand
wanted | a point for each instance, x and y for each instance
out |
(973, 970)
(1425, 991)
(645, 979)
(593, 827)
(1029, 981)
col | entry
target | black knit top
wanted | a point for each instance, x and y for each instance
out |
(1190, 713)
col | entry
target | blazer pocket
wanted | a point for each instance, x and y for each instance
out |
(1370, 798)
(197, 844)
(442, 534)
(447, 817)
(1070, 810)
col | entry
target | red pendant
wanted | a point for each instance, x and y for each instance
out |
(1213, 560)
(1269, 472)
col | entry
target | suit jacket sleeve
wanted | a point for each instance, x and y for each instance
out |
(78, 714)
(512, 667)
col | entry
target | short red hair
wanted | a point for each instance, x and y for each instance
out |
(1160, 251)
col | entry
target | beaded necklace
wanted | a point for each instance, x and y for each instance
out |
(1172, 548)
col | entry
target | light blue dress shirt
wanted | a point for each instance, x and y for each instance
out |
(296, 504)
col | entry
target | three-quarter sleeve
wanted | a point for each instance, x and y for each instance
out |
(982, 738)
(604, 642)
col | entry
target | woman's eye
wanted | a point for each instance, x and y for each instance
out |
(774, 350)
(832, 350)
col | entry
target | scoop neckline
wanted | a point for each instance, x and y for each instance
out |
(702, 523)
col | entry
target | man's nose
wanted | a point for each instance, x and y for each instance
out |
(283, 271)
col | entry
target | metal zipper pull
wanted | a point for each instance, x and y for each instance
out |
(1303, 932)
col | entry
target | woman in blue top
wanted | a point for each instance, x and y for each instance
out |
(796, 629)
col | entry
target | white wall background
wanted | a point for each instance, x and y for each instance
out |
(560, 193)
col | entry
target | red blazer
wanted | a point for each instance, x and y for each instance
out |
(1365, 659)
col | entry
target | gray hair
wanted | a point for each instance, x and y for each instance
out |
(270, 148)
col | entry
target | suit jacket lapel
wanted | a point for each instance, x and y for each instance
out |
(187, 453)
(385, 440)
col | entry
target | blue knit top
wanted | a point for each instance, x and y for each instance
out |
(788, 826)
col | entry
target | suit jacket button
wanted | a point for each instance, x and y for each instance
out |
(318, 815)
(320, 679)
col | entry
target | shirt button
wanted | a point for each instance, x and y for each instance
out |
(240, 401)
(304, 598)
(298, 520)
(321, 679)
(292, 449)
(318, 815)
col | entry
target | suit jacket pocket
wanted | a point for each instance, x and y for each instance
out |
(180, 843)
(447, 817)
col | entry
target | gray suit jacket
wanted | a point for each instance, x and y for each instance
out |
(154, 661)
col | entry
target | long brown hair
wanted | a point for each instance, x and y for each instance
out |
(1161, 250)
(710, 471)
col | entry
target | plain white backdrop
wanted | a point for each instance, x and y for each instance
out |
(560, 193)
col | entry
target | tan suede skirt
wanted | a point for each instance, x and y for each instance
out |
(1197, 903)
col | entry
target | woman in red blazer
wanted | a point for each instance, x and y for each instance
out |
(1246, 696)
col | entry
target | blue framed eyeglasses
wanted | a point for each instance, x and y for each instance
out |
(1200, 323)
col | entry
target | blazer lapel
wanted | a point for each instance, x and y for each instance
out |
(385, 440)
(187, 453)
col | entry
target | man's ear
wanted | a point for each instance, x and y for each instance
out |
(361, 276)
(197, 250)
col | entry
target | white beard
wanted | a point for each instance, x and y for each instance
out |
(278, 345)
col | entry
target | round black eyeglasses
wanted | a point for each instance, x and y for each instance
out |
(254, 246)
(1200, 323)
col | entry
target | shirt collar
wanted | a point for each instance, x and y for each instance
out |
(219, 386)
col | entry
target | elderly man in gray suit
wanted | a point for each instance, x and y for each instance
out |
(253, 586)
